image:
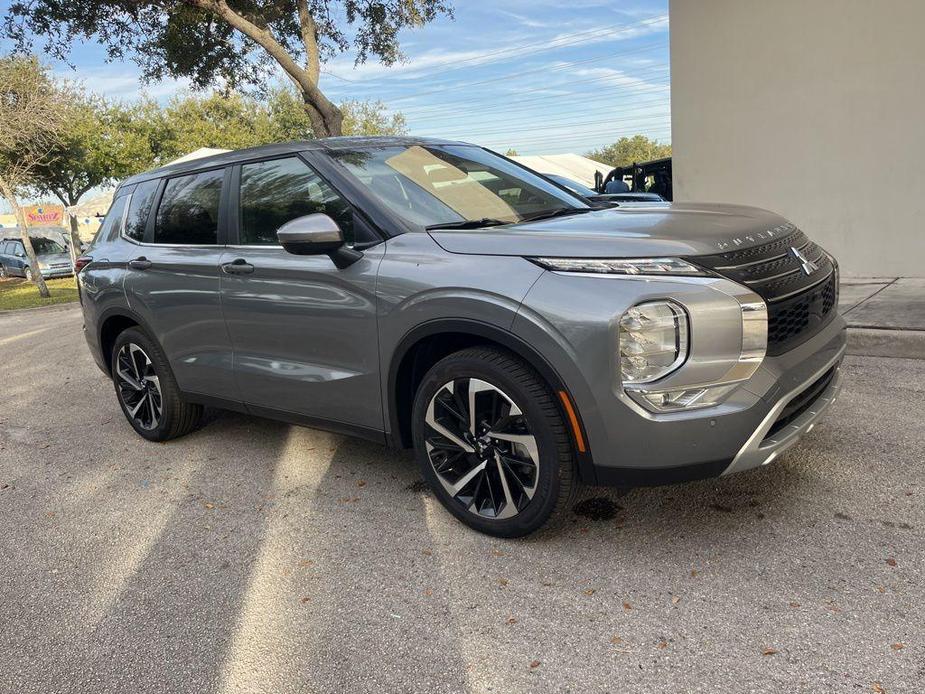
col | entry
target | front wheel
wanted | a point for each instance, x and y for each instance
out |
(2, 273)
(492, 444)
(28, 274)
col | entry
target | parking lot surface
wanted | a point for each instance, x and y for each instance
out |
(253, 556)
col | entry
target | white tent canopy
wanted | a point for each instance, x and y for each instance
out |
(573, 166)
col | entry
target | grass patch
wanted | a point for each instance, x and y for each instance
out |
(21, 294)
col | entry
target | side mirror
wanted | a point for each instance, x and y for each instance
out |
(317, 234)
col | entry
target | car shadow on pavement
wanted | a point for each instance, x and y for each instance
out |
(177, 592)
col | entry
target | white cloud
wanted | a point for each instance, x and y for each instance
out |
(122, 82)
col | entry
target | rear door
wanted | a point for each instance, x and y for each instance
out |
(176, 228)
(303, 332)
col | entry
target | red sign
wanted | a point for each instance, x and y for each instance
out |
(44, 215)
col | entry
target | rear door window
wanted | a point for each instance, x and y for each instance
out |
(188, 211)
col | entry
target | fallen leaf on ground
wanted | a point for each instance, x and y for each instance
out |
(305, 600)
(875, 687)
(627, 606)
(891, 562)
(675, 600)
(426, 552)
(512, 620)
(361, 483)
(209, 506)
(663, 644)
(897, 646)
(535, 664)
(794, 605)
(616, 640)
(694, 573)
(769, 651)
(588, 591)
(502, 581)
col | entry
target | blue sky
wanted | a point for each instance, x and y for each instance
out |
(541, 76)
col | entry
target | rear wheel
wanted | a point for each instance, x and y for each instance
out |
(27, 273)
(147, 391)
(492, 444)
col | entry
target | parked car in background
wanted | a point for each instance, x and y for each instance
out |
(436, 295)
(592, 195)
(53, 258)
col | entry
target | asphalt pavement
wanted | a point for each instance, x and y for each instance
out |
(253, 556)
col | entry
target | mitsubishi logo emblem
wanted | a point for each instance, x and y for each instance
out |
(809, 267)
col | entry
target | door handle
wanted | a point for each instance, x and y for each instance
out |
(140, 263)
(238, 266)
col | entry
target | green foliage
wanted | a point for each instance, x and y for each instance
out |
(628, 150)
(104, 142)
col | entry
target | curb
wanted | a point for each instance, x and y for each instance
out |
(874, 342)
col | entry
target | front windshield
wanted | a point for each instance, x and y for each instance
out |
(44, 246)
(452, 185)
(572, 185)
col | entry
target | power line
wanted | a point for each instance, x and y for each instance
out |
(517, 105)
(500, 78)
(517, 51)
(609, 136)
(569, 120)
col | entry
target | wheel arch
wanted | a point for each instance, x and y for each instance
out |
(429, 342)
(113, 323)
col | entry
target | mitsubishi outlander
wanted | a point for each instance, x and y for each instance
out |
(436, 295)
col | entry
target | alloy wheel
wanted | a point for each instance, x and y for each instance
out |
(139, 386)
(481, 448)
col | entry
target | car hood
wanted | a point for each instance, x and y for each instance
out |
(639, 230)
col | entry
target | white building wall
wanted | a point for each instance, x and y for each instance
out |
(811, 108)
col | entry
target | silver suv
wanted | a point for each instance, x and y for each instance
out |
(435, 295)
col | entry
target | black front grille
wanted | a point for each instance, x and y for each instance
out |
(802, 402)
(796, 279)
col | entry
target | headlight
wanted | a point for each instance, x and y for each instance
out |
(628, 266)
(653, 341)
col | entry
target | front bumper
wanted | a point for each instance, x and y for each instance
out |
(779, 430)
(52, 273)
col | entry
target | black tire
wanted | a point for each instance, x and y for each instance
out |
(2, 273)
(554, 483)
(27, 273)
(177, 417)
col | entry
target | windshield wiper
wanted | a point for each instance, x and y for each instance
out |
(561, 212)
(468, 224)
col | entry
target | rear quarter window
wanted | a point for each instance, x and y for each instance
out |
(136, 220)
(112, 222)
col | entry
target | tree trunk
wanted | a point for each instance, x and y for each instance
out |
(324, 124)
(75, 240)
(11, 198)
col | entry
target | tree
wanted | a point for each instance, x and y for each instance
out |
(290, 122)
(629, 150)
(235, 121)
(235, 43)
(97, 145)
(511, 152)
(33, 113)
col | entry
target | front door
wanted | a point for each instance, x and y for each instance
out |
(172, 278)
(303, 332)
